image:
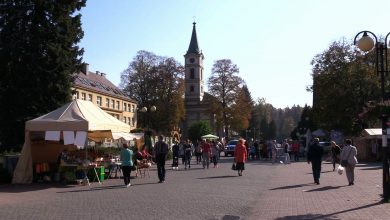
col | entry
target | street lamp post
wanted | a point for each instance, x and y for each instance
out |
(147, 133)
(366, 43)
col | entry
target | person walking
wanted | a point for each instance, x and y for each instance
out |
(198, 152)
(336, 150)
(215, 153)
(286, 147)
(187, 154)
(295, 149)
(175, 156)
(206, 152)
(314, 156)
(161, 151)
(349, 153)
(126, 156)
(274, 151)
(240, 156)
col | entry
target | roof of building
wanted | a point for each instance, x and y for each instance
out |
(194, 48)
(97, 82)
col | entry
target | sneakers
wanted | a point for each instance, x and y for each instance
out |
(128, 185)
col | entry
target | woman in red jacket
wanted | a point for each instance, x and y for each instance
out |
(240, 156)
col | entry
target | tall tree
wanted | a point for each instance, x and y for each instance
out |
(225, 84)
(342, 84)
(38, 56)
(154, 80)
(242, 110)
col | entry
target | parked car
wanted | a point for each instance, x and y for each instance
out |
(230, 147)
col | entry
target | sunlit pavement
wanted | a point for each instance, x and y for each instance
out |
(265, 191)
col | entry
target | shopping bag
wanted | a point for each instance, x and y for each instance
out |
(234, 166)
(340, 170)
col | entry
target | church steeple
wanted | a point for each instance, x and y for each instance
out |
(193, 48)
(193, 71)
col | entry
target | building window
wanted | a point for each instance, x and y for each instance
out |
(192, 73)
(117, 105)
(124, 107)
(133, 121)
(112, 103)
(107, 102)
(133, 106)
(90, 97)
(129, 120)
(83, 96)
(124, 119)
(192, 88)
(99, 101)
(129, 107)
(201, 89)
(201, 74)
(77, 95)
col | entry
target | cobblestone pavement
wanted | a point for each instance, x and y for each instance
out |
(265, 191)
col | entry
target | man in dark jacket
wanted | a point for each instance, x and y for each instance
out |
(314, 157)
(161, 151)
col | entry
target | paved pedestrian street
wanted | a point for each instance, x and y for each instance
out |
(265, 191)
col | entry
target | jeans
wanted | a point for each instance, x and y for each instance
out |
(126, 174)
(160, 160)
(206, 160)
(187, 160)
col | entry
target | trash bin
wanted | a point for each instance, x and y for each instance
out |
(101, 173)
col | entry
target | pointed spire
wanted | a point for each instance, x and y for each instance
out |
(193, 48)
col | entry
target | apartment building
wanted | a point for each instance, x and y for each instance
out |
(96, 88)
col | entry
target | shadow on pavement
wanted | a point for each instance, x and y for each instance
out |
(308, 216)
(324, 188)
(291, 187)
(330, 216)
(216, 177)
(20, 188)
(372, 168)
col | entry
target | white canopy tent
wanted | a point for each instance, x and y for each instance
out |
(75, 116)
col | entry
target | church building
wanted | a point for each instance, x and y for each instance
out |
(196, 99)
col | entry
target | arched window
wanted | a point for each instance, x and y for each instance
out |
(192, 73)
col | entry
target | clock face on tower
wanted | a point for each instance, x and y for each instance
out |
(192, 60)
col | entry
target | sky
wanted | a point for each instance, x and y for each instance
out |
(272, 42)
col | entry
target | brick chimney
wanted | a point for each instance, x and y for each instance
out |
(85, 68)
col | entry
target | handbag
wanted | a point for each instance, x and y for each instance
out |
(234, 166)
(344, 163)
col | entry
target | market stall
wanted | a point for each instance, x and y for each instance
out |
(67, 128)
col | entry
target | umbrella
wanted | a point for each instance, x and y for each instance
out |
(209, 136)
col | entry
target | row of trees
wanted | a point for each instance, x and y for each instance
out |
(38, 56)
(154, 80)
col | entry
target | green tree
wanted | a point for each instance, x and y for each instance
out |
(38, 56)
(241, 110)
(225, 84)
(198, 129)
(342, 83)
(154, 80)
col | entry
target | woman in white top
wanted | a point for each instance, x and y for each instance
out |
(349, 153)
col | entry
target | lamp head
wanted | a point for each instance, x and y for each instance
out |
(365, 43)
(153, 108)
(144, 109)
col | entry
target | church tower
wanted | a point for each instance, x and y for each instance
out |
(194, 89)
